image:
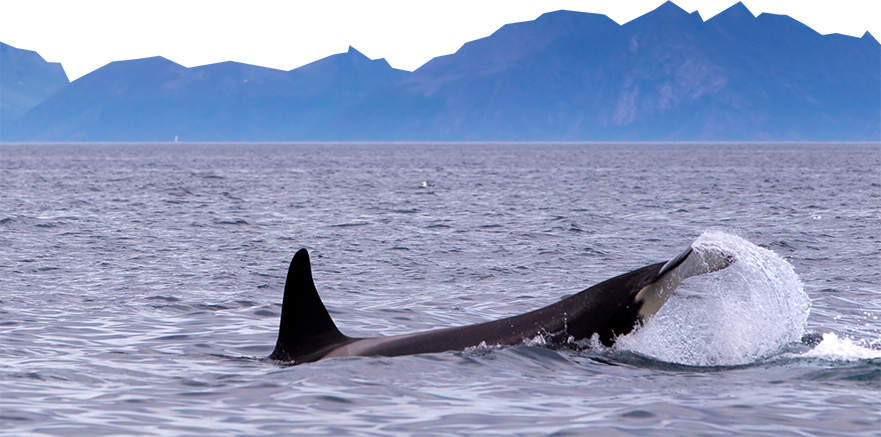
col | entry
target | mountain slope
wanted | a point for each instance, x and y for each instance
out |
(154, 99)
(566, 76)
(26, 80)
(667, 75)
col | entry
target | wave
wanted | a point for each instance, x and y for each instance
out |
(834, 348)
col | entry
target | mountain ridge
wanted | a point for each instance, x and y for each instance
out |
(650, 79)
(565, 76)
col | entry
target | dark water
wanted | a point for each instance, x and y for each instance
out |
(139, 282)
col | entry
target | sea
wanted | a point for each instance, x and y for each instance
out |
(140, 287)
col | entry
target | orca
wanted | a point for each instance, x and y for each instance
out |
(609, 309)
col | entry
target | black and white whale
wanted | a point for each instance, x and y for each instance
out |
(611, 308)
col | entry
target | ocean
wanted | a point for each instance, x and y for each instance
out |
(140, 287)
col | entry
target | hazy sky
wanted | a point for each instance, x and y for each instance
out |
(346, 22)
(85, 34)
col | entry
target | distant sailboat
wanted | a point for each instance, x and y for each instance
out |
(175, 138)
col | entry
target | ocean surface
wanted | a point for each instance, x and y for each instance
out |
(140, 287)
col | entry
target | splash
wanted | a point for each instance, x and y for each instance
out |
(841, 349)
(739, 315)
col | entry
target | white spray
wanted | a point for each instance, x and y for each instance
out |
(738, 315)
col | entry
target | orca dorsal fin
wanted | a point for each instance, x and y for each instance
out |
(306, 328)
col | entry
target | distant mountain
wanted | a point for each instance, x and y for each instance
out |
(26, 79)
(667, 75)
(154, 99)
(570, 76)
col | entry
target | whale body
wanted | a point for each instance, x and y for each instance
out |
(609, 309)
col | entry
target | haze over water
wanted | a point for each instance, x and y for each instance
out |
(140, 284)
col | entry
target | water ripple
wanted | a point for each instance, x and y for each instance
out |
(140, 285)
